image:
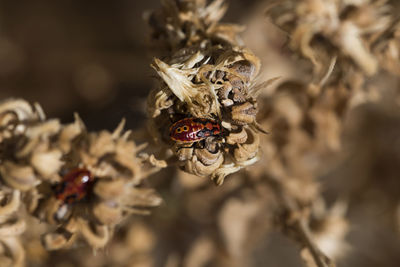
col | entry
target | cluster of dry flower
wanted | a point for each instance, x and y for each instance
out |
(34, 151)
(345, 47)
(205, 73)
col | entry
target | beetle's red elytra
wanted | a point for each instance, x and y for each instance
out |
(191, 130)
(74, 186)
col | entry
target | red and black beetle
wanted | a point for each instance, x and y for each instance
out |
(191, 130)
(74, 186)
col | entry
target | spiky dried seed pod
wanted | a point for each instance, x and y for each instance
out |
(27, 154)
(321, 30)
(35, 153)
(184, 23)
(15, 175)
(113, 160)
(205, 75)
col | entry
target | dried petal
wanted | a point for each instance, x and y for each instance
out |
(20, 177)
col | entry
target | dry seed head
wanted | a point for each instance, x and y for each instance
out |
(206, 76)
(35, 153)
(185, 24)
(113, 160)
(17, 172)
(11, 226)
(321, 30)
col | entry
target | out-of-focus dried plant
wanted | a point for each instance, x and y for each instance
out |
(345, 41)
(35, 152)
(321, 30)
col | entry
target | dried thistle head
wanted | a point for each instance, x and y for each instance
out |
(189, 23)
(24, 130)
(321, 30)
(209, 79)
(38, 154)
(12, 178)
(118, 170)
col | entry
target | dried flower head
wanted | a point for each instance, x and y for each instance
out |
(112, 158)
(14, 178)
(321, 30)
(208, 76)
(38, 154)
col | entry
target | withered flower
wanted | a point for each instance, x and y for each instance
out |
(114, 160)
(36, 153)
(15, 178)
(321, 30)
(205, 75)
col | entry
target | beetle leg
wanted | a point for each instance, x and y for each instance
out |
(202, 144)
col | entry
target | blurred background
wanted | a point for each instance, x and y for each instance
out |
(83, 56)
(93, 57)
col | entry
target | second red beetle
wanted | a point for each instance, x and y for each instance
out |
(74, 186)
